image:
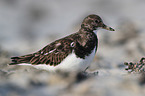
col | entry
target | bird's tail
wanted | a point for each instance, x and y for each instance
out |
(21, 59)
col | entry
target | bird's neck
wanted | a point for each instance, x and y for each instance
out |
(95, 31)
(84, 30)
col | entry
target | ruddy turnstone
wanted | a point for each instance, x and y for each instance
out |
(71, 53)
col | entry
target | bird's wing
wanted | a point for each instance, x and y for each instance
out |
(51, 54)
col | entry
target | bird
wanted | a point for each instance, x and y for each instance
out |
(74, 52)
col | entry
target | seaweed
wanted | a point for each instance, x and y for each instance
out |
(136, 67)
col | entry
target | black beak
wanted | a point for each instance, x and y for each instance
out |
(107, 28)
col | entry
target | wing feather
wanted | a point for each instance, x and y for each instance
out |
(51, 54)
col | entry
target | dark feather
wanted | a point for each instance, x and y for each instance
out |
(52, 54)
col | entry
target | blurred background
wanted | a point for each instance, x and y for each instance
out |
(28, 25)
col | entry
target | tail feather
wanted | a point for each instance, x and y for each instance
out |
(21, 59)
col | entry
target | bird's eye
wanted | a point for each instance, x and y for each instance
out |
(97, 21)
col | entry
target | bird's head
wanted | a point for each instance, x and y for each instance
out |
(94, 22)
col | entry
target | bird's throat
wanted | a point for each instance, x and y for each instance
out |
(95, 31)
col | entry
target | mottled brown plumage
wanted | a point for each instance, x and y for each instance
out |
(82, 43)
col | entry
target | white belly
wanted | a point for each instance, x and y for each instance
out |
(70, 63)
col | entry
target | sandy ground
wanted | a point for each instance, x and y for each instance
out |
(28, 25)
